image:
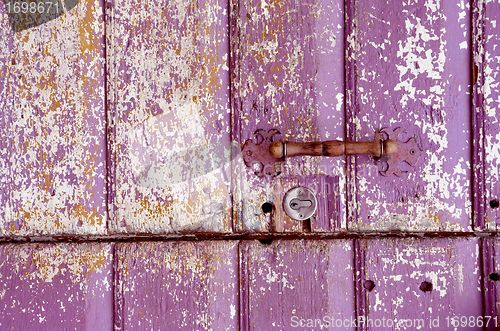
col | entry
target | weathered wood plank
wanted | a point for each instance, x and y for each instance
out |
(416, 282)
(491, 281)
(287, 73)
(52, 151)
(486, 103)
(56, 286)
(289, 284)
(177, 286)
(169, 112)
(409, 66)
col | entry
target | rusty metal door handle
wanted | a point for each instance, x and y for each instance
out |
(377, 148)
(265, 154)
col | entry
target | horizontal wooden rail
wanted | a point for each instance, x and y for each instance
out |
(250, 236)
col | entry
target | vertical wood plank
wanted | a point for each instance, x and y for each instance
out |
(486, 101)
(294, 284)
(287, 73)
(52, 151)
(491, 281)
(169, 109)
(396, 271)
(56, 286)
(177, 285)
(409, 67)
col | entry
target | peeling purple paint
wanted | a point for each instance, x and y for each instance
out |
(486, 94)
(419, 279)
(491, 278)
(409, 65)
(177, 285)
(52, 152)
(169, 112)
(285, 282)
(44, 286)
(187, 84)
(287, 73)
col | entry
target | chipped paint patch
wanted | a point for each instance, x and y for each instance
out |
(398, 268)
(487, 103)
(52, 154)
(176, 285)
(68, 285)
(409, 73)
(170, 109)
(276, 276)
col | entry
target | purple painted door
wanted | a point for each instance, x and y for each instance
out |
(122, 127)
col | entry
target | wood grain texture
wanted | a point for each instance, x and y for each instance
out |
(486, 102)
(286, 284)
(409, 66)
(287, 73)
(169, 116)
(52, 151)
(491, 281)
(398, 267)
(56, 286)
(177, 286)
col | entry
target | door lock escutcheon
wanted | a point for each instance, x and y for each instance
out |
(300, 203)
(265, 153)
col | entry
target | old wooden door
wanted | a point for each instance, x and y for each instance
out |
(127, 204)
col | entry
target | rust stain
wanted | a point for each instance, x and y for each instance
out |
(154, 210)
(87, 38)
(86, 216)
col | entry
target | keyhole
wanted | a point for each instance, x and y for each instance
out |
(297, 204)
(300, 203)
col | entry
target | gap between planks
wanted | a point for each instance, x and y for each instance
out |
(247, 236)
